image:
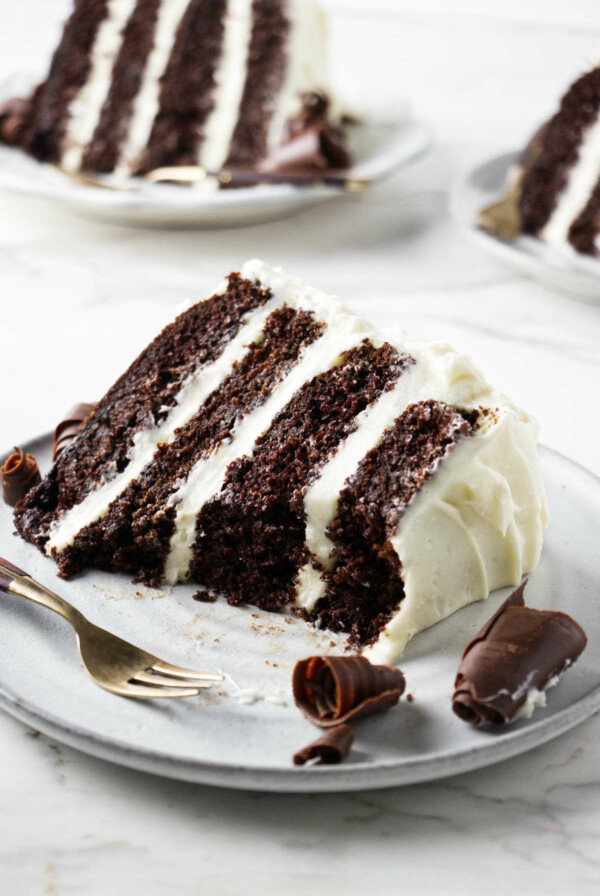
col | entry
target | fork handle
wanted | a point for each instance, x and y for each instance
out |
(15, 581)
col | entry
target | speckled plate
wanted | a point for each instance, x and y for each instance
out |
(379, 148)
(243, 734)
(559, 268)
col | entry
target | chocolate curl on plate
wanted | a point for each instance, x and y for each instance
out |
(519, 650)
(19, 474)
(68, 429)
(331, 690)
(14, 114)
(330, 749)
(310, 142)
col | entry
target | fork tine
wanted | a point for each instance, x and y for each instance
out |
(144, 691)
(180, 672)
(168, 681)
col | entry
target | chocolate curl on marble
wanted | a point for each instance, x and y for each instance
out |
(68, 429)
(309, 142)
(519, 650)
(331, 690)
(18, 475)
(330, 749)
(14, 114)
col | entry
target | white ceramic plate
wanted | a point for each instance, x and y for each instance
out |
(561, 269)
(379, 148)
(244, 733)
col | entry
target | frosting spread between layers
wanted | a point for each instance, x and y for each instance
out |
(85, 109)
(146, 102)
(195, 391)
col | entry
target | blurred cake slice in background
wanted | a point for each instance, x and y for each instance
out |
(137, 85)
(553, 191)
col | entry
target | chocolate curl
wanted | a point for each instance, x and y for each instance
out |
(330, 749)
(68, 429)
(19, 474)
(331, 690)
(309, 142)
(14, 114)
(520, 649)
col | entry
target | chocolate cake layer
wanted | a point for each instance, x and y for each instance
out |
(138, 400)
(548, 175)
(187, 86)
(267, 60)
(135, 533)
(138, 38)
(584, 231)
(250, 538)
(365, 587)
(69, 70)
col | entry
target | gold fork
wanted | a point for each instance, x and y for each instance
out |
(114, 664)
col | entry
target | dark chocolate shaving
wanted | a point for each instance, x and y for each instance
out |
(309, 142)
(330, 749)
(19, 474)
(331, 690)
(14, 115)
(520, 649)
(68, 429)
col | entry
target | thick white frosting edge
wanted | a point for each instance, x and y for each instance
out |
(477, 525)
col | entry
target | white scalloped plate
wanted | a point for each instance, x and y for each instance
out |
(222, 737)
(560, 268)
(380, 148)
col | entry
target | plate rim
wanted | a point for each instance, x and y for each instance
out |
(174, 201)
(344, 778)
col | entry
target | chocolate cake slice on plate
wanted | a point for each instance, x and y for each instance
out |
(138, 85)
(554, 187)
(279, 450)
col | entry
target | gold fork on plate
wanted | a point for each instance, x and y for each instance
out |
(114, 664)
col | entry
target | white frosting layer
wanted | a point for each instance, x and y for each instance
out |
(475, 526)
(195, 390)
(146, 102)
(343, 331)
(439, 373)
(85, 109)
(306, 62)
(230, 78)
(581, 180)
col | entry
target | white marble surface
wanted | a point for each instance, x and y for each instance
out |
(78, 300)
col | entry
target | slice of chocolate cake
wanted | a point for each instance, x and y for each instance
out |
(281, 451)
(554, 189)
(137, 85)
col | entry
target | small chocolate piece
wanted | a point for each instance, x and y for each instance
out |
(519, 650)
(331, 690)
(14, 114)
(68, 429)
(330, 749)
(19, 474)
(309, 142)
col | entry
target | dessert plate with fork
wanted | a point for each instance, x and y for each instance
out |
(243, 729)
